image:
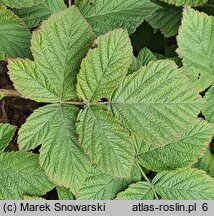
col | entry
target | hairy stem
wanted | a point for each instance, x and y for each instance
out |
(147, 179)
(14, 93)
(79, 103)
(10, 93)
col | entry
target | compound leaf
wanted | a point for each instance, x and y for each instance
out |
(14, 36)
(105, 66)
(184, 184)
(106, 15)
(20, 3)
(157, 102)
(196, 47)
(109, 145)
(63, 159)
(185, 2)
(21, 174)
(64, 193)
(58, 48)
(181, 152)
(99, 186)
(34, 15)
(137, 191)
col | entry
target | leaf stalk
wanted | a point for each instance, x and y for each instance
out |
(147, 179)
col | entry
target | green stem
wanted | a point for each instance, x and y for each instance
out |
(75, 103)
(79, 103)
(14, 93)
(147, 179)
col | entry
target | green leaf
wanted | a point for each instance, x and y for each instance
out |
(195, 47)
(20, 3)
(34, 15)
(20, 174)
(166, 19)
(14, 36)
(6, 133)
(109, 145)
(136, 174)
(206, 163)
(208, 112)
(33, 86)
(32, 198)
(138, 191)
(63, 159)
(99, 186)
(181, 152)
(186, 2)
(106, 15)
(141, 147)
(184, 184)
(1, 96)
(143, 58)
(157, 102)
(105, 66)
(134, 65)
(58, 48)
(64, 193)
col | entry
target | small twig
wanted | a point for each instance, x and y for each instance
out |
(147, 179)
(10, 93)
(69, 3)
(4, 117)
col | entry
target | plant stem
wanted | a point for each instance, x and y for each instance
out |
(69, 3)
(14, 93)
(10, 93)
(4, 118)
(147, 179)
(79, 103)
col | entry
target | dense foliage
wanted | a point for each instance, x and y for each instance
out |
(125, 94)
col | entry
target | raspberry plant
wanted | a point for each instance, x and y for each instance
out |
(108, 116)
